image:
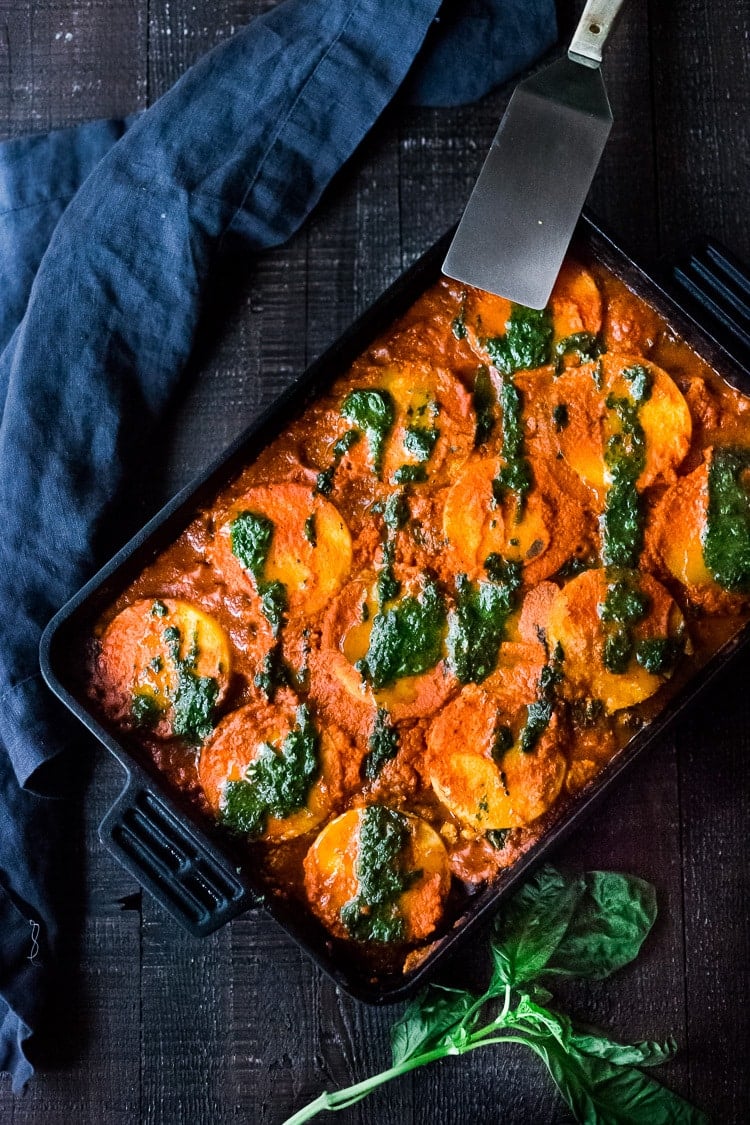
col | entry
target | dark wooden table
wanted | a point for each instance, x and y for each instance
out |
(241, 1027)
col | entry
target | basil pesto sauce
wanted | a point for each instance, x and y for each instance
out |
(476, 627)
(250, 536)
(406, 638)
(621, 523)
(374, 913)
(194, 697)
(726, 537)
(277, 783)
(373, 413)
(382, 745)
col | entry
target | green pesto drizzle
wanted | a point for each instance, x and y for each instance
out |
(458, 324)
(324, 482)
(410, 474)
(624, 605)
(483, 401)
(387, 586)
(515, 475)
(406, 638)
(194, 697)
(526, 343)
(395, 514)
(476, 626)
(311, 531)
(420, 441)
(621, 523)
(374, 913)
(250, 536)
(373, 413)
(726, 536)
(659, 655)
(274, 672)
(395, 511)
(146, 707)
(498, 837)
(539, 713)
(276, 783)
(583, 344)
(382, 745)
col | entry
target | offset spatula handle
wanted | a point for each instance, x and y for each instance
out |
(593, 31)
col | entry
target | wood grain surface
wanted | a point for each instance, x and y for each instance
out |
(240, 1027)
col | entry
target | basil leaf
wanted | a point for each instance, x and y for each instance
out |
(529, 930)
(427, 1021)
(646, 1053)
(601, 1093)
(612, 917)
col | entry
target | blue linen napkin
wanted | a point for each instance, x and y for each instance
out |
(108, 233)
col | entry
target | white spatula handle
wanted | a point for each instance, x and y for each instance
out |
(593, 30)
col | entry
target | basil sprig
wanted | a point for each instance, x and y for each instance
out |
(585, 926)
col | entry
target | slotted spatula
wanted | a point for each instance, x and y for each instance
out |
(524, 207)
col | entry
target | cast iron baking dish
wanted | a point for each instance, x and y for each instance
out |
(200, 876)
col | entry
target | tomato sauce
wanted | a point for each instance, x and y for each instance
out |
(453, 588)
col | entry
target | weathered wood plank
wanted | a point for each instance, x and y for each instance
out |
(99, 1030)
(715, 825)
(702, 114)
(70, 61)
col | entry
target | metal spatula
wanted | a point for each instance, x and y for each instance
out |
(521, 215)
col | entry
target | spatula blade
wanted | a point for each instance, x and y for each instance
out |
(520, 217)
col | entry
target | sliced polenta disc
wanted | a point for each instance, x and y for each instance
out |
(431, 423)
(550, 528)
(588, 395)
(620, 633)
(675, 530)
(269, 773)
(357, 630)
(164, 666)
(575, 307)
(360, 894)
(479, 770)
(282, 535)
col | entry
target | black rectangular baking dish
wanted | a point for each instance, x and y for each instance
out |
(196, 873)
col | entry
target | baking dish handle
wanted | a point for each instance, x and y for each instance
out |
(714, 287)
(171, 862)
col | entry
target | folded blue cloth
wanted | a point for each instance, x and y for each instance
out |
(108, 233)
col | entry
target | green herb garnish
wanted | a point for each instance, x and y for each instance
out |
(583, 344)
(726, 537)
(625, 457)
(374, 914)
(382, 745)
(146, 709)
(311, 532)
(420, 441)
(250, 536)
(526, 343)
(374, 413)
(410, 474)
(483, 400)
(586, 926)
(659, 655)
(194, 697)
(324, 482)
(539, 713)
(406, 638)
(625, 604)
(276, 783)
(515, 475)
(476, 626)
